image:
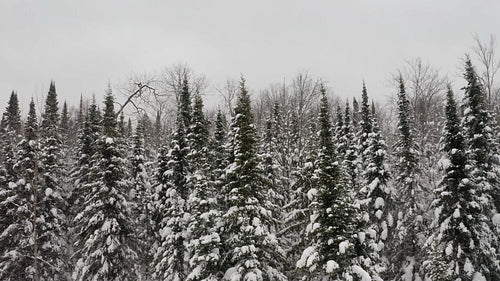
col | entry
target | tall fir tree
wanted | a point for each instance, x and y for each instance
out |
(52, 221)
(204, 243)
(19, 258)
(10, 134)
(410, 231)
(482, 169)
(332, 254)
(141, 195)
(366, 125)
(89, 133)
(375, 196)
(347, 148)
(458, 223)
(254, 253)
(106, 245)
(10, 130)
(171, 196)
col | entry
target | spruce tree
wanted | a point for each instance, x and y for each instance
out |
(482, 169)
(106, 246)
(458, 223)
(365, 125)
(204, 243)
(10, 130)
(347, 148)
(374, 196)
(253, 252)
(19, 258)
(89, 133)
(11, 118)
(407, 254)
(51, 207)
(141, 196)
(171, 196)
(332, 253)
(10, 134)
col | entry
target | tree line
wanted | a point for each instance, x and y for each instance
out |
(289, 187)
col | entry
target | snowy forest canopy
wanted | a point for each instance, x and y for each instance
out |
(295, 185)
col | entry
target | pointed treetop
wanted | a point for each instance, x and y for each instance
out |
(31, 128)
(326, 143)
(185, 104)
(50, 116)
(109, 124)
(453, 136)
(11, 118)
(52, 87)
(366, 118)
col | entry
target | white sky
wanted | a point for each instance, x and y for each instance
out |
(84, 44)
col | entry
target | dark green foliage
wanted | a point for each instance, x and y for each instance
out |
(406, 247)
(11, 118)
(51, 217)
(332, 227)
(252, 251)
(17, 204)
(106, 246)
(365, 124)
(171, 196)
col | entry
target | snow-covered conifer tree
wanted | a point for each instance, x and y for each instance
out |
(18, 232)
(253, 252)
(141, 196)
(458, 223)
(410, 231)
(171, 196)
(52, 224)
(481, 152)
(375, 196)
(105, 244)
(204, 243)
(332, 231)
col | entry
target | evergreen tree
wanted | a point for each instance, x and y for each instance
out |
(141, 195)
(346, 147)
(204, 243)
(171, 196)
(19, 258)
(253, 253)
(219, 143)
(106, 245)
(11, 118)
(355, 113)
(65, 120)
(89, 133)
(374, 197)
(332, 255)
(482, 169)
(459, 222)
(9, 137)
(51, 206)
(409, 238)
(10, 134)
(365, 125)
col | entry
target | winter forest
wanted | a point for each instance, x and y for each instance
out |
(290, 183)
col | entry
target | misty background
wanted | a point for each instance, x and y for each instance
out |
(86, 44)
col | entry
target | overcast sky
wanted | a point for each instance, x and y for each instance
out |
(84, 44)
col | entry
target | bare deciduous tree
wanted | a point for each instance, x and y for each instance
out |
(489, 66)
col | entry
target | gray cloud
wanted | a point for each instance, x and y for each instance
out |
(83, 45)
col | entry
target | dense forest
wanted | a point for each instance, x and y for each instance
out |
(290, 184)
